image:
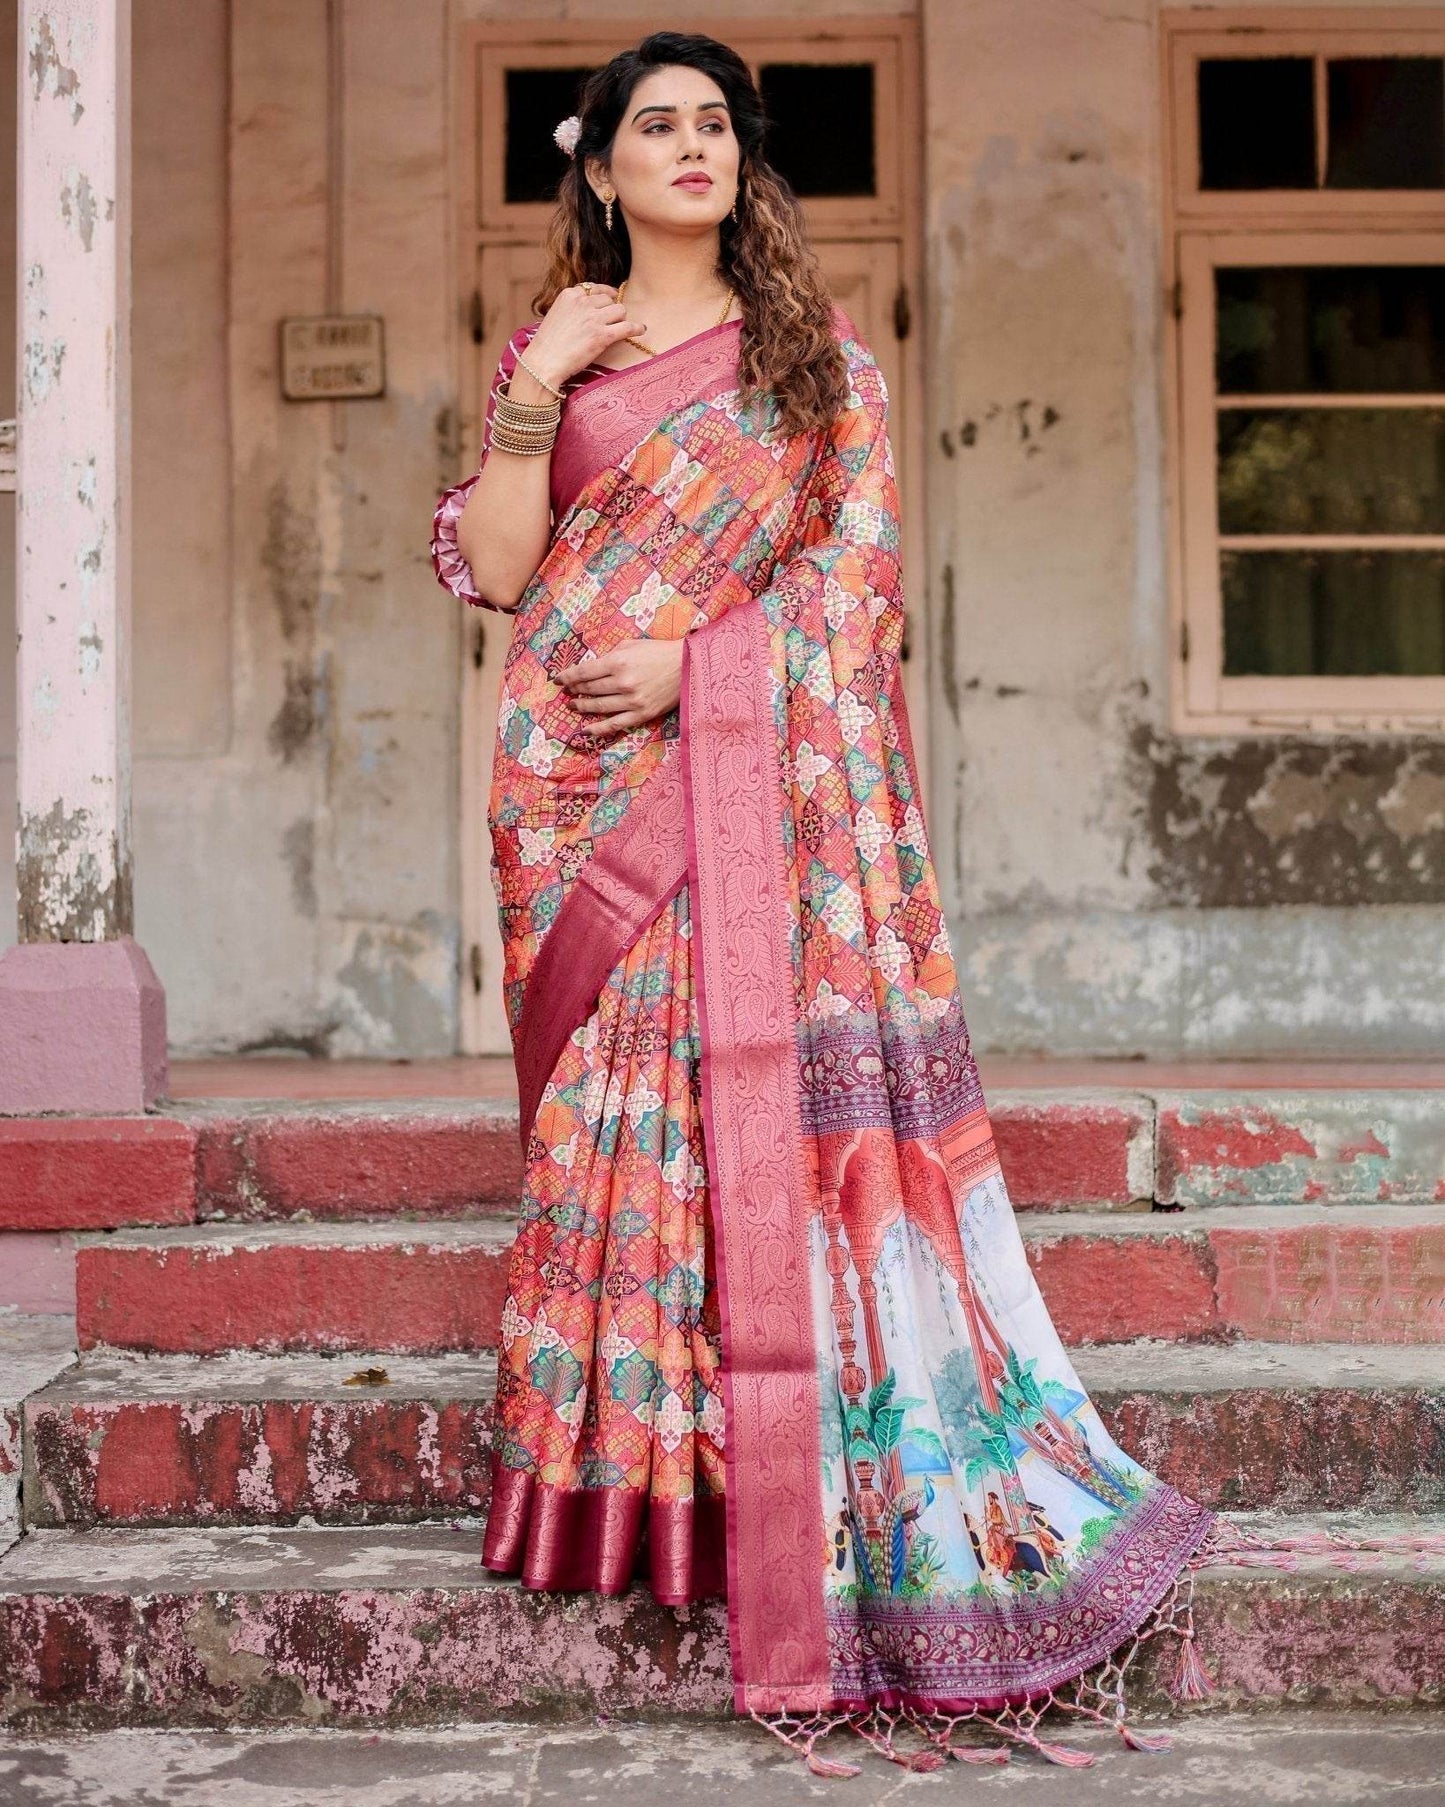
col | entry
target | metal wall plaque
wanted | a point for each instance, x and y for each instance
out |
(332, 357)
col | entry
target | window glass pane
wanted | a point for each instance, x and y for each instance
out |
(820, 131)
(1387, 122)
(1332, 330)
(1256, 122)
(536, 100)
(1334, 614)
(1331, 470)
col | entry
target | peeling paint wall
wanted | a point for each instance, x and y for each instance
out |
(1116, 889)
(295, 665)
(1113, 888)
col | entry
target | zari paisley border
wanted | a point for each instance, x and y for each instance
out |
(758, 1194)
(636, 869)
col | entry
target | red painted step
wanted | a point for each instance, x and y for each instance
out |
(132, 1440)
(1272, 1147)
(321, 1626)
(425, 1289)
(33, 1350)
(424, 1160)
(448, 1158)
(1275, 1274)
(64, 1173)
(1365, 1275)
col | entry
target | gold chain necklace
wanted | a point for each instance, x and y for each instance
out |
(650, 350)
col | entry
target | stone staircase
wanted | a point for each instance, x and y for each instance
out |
(255, 1495)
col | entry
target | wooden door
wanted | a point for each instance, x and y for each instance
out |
(518, 80)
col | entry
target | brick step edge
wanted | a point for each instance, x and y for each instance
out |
(439, 1643)
(202, 1163)
(156, 1441)
(1370, 1275)
(446, 1159)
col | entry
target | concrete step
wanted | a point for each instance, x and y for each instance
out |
(1287, 1758)
(1364, 1274)
(324, 1625)
(261, 1160)
(33, 1350)
(247, 1439)
(1280, 1147)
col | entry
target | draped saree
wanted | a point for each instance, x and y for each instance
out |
(770, 1329)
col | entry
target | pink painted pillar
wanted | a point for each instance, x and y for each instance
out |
(82, 1014)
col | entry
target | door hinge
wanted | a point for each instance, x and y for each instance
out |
(479, 644)
(474, 963)
(902, 312)
(1176, 300)
(1184, 642)
(478, 324)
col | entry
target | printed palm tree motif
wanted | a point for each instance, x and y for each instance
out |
(1016, 1543)
(1026, 1408)
(890, 1552)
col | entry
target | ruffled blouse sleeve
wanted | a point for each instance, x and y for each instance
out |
(452, 570)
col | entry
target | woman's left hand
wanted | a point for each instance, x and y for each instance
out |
(634, 683)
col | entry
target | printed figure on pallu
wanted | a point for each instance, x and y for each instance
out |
(770, 1328)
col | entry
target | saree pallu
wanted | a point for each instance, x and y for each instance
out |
(770, 1328)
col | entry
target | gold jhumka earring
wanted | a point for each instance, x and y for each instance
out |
(607, 201)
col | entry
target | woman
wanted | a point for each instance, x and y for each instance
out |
(769, 1328)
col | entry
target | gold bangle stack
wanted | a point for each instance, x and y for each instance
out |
(527, 428)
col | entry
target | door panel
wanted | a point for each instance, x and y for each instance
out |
(507, 278)
(520, 76)
(866, 277)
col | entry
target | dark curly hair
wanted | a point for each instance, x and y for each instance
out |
(789, 345)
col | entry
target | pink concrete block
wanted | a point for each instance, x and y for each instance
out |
(94, 1172)
(37, 1273)
(340, 1165)
(1321, 1637)
(1057, 1152)
(354, 1654)
(82, 1028)
(278, 1632)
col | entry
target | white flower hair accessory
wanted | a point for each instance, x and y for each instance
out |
(567, 133)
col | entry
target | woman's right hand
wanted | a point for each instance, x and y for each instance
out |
(581, 323)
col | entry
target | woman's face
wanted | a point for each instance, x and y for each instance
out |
(674, 158)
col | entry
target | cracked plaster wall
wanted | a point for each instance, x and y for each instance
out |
(295, 666)
(1113, 889)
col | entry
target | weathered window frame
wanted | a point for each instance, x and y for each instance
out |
(1205, 229)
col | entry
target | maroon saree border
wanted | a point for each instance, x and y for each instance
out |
(636, 869)
(758, 1197)
(567, 1539)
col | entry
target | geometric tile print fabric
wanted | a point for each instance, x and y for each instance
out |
(977, 1538)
